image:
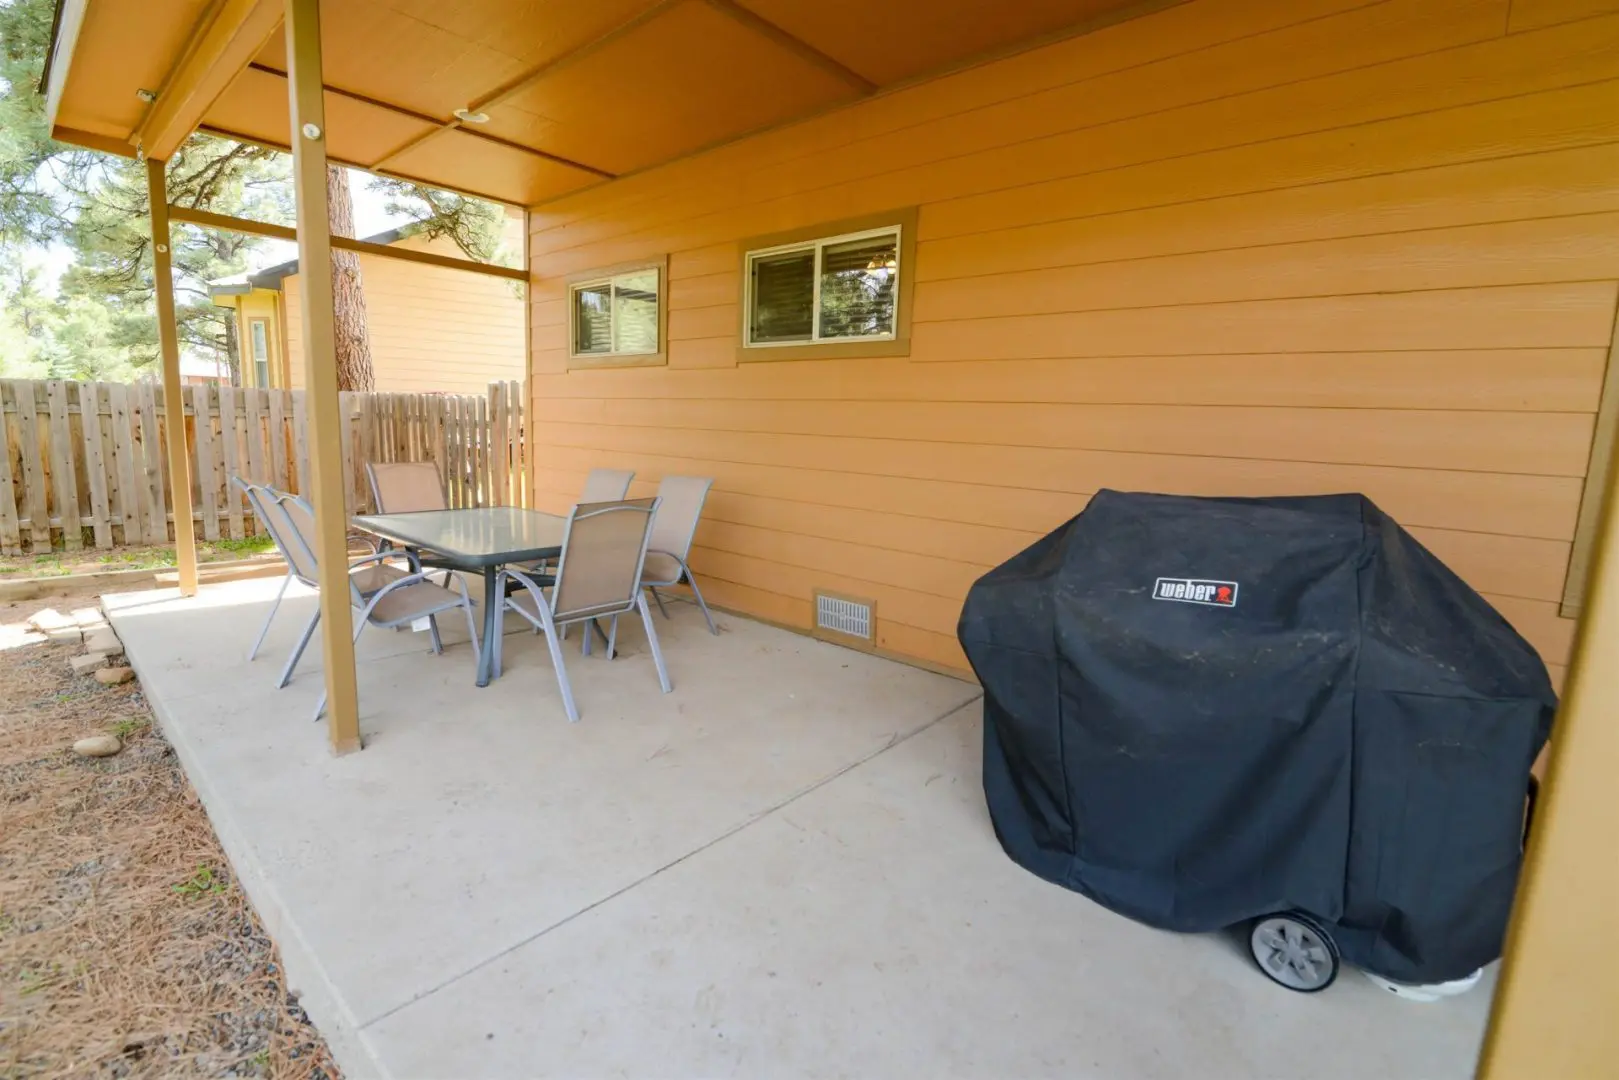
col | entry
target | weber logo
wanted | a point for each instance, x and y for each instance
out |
(1194, 591)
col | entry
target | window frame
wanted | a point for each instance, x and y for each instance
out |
(605, 275)
(253, 322)
(901, 223)
(818, 245)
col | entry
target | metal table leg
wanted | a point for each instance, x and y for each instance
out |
(491, 624)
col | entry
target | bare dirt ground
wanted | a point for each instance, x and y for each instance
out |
(126, 947)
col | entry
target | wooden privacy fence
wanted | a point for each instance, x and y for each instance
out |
(86, 465)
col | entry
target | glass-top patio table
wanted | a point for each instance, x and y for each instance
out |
(477, 540)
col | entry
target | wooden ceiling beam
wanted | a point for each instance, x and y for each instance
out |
(795, 45)
(226, 38)
(107, 144)
(506, 91)
(400, 110)
(210, 220)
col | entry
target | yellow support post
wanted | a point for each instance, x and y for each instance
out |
(168, 339)
(308, 112)
(1554, 1013)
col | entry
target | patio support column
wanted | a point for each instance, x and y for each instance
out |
(308, 112)
(1553, 1013)
(168, 339)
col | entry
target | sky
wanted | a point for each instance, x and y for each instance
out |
(370, 217)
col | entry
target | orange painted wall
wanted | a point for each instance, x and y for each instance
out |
(432, 329)
(1234, 246)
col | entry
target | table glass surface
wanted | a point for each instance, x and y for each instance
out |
(480, 536)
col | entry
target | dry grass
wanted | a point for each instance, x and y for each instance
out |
(126, 948)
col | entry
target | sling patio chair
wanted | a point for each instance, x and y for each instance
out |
(405, 487)
(598, 577)
(402, 487)
(399, 602)
(368, 574)
(606, 485)
(680, 506)
(601, 486)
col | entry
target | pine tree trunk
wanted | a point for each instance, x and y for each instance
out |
(233, 350)
(348, 292)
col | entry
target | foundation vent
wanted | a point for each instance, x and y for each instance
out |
(844, 615)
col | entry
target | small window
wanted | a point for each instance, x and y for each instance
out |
(617, 315)
(837, 289)
(258, 331)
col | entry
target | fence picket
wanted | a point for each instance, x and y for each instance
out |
(230, 461)
(127, 502)
(154, 491)
(33, 467)
(95, 462)
(10, 530)
(59, 462)
(257, 471)
(89, 457)
(278, 438)
(497, 429)
(206, 452)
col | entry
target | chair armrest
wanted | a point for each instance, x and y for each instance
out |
(522, 579)
(409, 557)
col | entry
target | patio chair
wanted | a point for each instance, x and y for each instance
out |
(680, 506)
(403, 487)
(400, 602)
(373, 575)
(601, 486)
(598, 577)
(406, 487)
(606, 485)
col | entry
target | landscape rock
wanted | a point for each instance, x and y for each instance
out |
(103, 640)
(83, 665)
(65, 635)
(98, 746)
(112, 676)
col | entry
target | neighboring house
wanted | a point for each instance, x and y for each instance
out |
(198, 370)
(433, 329)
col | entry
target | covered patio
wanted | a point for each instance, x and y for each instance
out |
(783, 868)
(1214, 247)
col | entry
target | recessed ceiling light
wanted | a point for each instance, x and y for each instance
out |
(146, 96)
(467, 116)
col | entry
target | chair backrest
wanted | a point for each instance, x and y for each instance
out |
(602, 551)
(606, 485)
(262, 500)
(402, 487)
(680, 506)
(291, 521)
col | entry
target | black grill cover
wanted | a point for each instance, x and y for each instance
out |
(1346, 730)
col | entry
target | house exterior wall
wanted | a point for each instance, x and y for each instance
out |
(260, 304)
(432, 329)
(1231, 247)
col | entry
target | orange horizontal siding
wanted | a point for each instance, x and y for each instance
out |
(1231, 247)
(432, 329)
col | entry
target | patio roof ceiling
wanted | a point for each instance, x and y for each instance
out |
(574, 93)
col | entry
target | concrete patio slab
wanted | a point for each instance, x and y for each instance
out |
(477, 818)
(873, 927)
(784, 868)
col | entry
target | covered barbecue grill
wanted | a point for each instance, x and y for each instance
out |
(1202, 712)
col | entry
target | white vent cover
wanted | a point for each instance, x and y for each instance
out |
(843, 616)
